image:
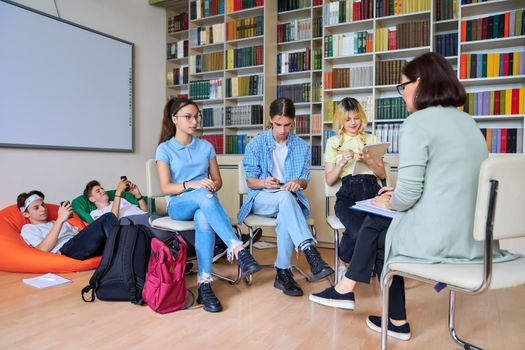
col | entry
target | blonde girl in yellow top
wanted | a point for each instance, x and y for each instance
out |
(342, 152)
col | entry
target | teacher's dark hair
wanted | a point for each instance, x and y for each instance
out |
(438, 84)
(168, 128)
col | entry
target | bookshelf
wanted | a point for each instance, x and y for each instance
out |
(318, 52)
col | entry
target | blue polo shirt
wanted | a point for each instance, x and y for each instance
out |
(187, 163)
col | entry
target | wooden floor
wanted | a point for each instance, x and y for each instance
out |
(256, 317)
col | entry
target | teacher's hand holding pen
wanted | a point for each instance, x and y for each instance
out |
(346, 156)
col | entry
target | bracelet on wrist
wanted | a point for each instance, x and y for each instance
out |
(139, 199)
(118, 195)
(184, 184)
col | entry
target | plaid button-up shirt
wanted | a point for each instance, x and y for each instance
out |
(258, 163)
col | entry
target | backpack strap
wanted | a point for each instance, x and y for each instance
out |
(130, 242)
(105, 263)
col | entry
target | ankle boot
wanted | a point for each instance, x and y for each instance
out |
(207, 298)
(285, 282)
(247, 263)
(319, 268)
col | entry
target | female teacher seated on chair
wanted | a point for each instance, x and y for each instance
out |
(277, 166)
(189, 176)
(440, 153)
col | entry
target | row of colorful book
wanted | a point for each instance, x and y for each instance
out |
(348, 43)
(347, 11)
(178, 23)
(249, 85)
(349, 77)
(207, 62)
(206, 8)
(245, 28)
(212, 116)
(316, 155)
(302, 124)
(389, 132)
(216, 140)
(290, 5)
(297, 29)
(238, 5)
(296, 92)
(236, 144)
(178, 76)
(296, 61)
(388, 72)
(391, 108)
(504, 140)
(495, 102)
(178, 49)
(205, 35)
(446, 9)
(244, 115)
(489, 65)
(403, 36)
(503, 25)
(398, 7)
(206, 89)
(447, 44)
(245, 57)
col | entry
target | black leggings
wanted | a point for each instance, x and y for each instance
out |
(354, 188)
(91, 240)
(369, 255)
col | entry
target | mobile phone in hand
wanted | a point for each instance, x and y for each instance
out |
(62, 203)
(125, 178)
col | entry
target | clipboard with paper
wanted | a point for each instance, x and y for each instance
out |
(376, 151)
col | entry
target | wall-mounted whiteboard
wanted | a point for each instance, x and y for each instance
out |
(63, 85)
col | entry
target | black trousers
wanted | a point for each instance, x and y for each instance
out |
(91, 240)
(353, 188)
(369, 255)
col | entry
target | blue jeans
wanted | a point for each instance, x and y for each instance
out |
(291, 224)
(209, 216)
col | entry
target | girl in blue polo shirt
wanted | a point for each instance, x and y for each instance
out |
(190, 177)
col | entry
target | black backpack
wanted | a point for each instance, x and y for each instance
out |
(122, 270)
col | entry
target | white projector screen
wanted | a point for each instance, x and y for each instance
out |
(63, 86)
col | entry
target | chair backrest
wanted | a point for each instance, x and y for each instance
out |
(509, 215)
(152, 180)
(243, 187)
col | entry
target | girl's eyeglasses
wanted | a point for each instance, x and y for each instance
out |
(189, 118)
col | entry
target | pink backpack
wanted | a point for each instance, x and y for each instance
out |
(165, 289)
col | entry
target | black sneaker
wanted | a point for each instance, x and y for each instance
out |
(319, 268)
(208, 299)
(399, 332)
(285, 282)
(330, 297)
(257, 234)
(247, 263)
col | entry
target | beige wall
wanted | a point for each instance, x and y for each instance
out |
(63, 174)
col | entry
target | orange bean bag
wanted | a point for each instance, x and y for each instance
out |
(17, 256)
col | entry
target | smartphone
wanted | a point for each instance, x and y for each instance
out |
(70, 215)
(124, 178)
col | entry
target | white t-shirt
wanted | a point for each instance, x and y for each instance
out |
(35, 234)
(126, 209)
(279, 155)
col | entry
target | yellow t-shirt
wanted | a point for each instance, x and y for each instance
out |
(334, 150)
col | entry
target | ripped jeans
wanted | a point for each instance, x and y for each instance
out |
(209, 216)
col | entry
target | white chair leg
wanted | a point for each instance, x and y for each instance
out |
(451, 325)
(384, 311)
(336, 256)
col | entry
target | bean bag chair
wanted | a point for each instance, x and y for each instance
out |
(82, 206)
(17, 256)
